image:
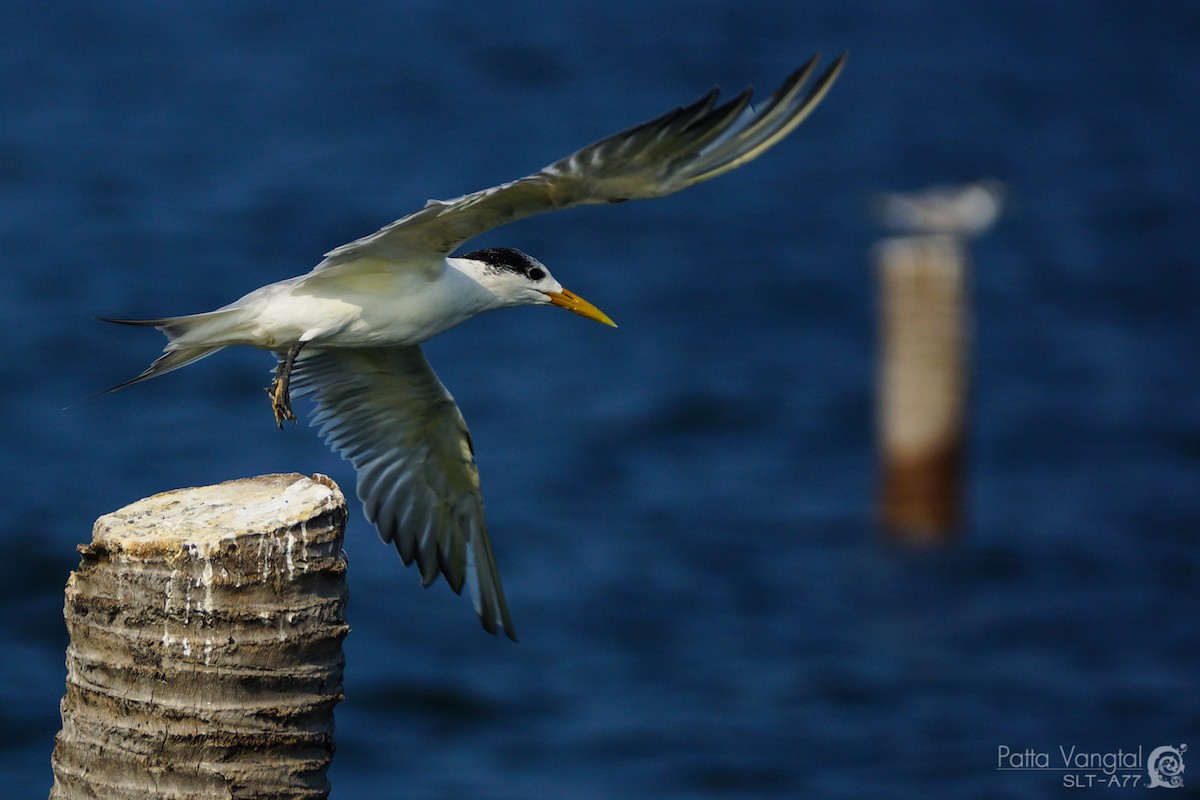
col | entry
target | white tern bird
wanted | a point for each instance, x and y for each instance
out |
(348, 333)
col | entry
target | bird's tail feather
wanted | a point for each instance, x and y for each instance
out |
(175, 355)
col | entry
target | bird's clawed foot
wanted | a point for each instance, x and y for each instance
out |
(281, 401)
(279, 390)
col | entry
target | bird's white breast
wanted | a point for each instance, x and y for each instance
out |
(371, 307)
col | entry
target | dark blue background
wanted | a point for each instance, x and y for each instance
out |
(681, 508)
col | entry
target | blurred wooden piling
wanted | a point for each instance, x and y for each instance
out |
(206, 634)
(922, 385)
(925, 327)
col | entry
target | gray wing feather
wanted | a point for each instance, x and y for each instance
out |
(385, 411)
(689, 145)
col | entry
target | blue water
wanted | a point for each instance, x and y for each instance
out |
(681, 508)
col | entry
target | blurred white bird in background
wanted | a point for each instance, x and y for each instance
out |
(964, 210)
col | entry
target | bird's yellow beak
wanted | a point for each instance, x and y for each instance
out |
(573, 302)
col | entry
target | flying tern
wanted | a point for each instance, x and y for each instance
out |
(348, 333)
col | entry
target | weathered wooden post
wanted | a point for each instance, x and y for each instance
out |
(924, 332)
(922, 385)
(206, 645)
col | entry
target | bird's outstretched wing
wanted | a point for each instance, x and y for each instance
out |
(385, 411)
(682, 147)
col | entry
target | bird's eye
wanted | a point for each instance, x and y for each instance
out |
(536, 273)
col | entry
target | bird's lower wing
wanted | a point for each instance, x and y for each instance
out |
(385, 411)
(683, 147)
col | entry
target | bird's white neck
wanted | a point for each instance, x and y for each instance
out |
(460, 292)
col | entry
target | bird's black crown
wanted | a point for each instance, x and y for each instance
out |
(509, 259)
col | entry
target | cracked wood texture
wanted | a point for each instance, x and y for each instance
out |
(206, 633)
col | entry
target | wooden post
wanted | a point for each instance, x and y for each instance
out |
(206, 645)
(921, 408)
